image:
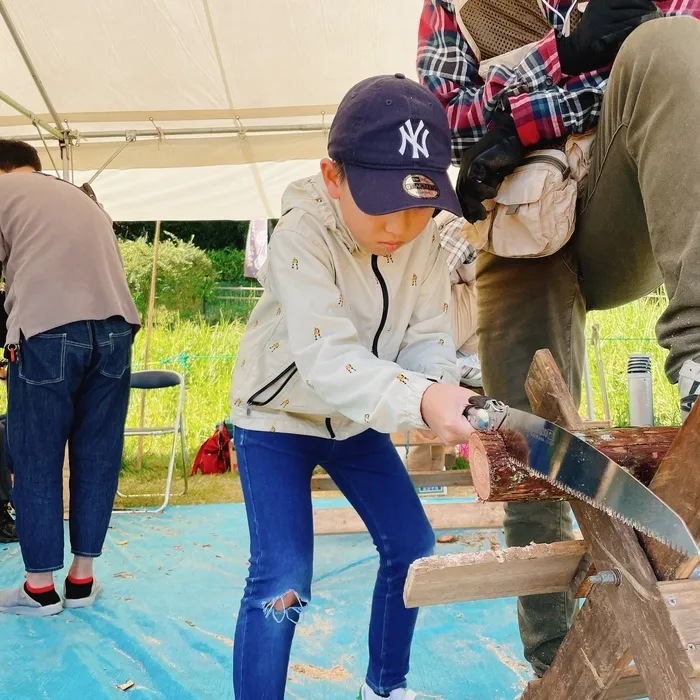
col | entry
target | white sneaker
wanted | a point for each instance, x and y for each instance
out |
(74, 603)
(689, 386)
(366, 693)
(16, 601)
(469, 369)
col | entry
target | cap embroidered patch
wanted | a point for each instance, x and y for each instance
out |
(420, 187)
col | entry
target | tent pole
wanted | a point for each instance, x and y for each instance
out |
(149, 331)
(129, 140)
(200, 131)
(37, 121)
(28, 62)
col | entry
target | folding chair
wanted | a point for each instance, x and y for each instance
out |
(148, 380)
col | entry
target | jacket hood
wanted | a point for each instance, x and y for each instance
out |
(311, 196)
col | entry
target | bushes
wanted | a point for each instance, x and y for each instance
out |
(186, 276)
(209, 235)
(229, 263)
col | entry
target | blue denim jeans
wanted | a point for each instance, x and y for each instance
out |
(276, 471)
(69, 385)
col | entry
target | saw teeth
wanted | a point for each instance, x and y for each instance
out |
(595, 504)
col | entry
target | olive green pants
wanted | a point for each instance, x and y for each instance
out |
(638, 226)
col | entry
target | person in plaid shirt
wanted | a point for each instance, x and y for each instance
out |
(630, 69)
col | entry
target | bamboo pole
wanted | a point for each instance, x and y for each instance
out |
(149, 331)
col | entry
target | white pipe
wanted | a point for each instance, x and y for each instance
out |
(37, 121)
(131, 134)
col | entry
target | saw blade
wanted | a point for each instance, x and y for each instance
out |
(549, 452)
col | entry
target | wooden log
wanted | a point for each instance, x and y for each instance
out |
(488, 574)
(496, 478)
(448, 477)
(442, 516)
(677, 481)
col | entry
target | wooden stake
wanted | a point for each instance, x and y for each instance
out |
(149, 332)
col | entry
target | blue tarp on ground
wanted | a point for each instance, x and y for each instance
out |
(167, 617)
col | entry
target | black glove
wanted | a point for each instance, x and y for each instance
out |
(486, 164)
(600, 33)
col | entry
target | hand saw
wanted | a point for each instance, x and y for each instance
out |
(552, 453)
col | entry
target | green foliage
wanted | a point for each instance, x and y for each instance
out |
(229, 265)
(209, 235)
(186, 276)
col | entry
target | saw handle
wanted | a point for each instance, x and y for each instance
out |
(485, 413)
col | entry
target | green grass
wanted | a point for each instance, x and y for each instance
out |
(625, 330)
(204, 350)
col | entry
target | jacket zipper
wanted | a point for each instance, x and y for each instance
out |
(329, 428)
(291, 370)
(385, 304)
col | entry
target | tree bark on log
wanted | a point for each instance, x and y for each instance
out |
(496, 478)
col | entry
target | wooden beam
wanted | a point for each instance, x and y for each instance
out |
(677, 482)
(630, 686)
(584, 668)
(448, 477)
(488, 574)
(639, 609)
(442, 516)
(548, 394)
(682, 599)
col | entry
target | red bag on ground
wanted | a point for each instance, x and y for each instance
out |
(214, 456)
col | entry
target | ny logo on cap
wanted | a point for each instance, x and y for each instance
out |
(409, 136)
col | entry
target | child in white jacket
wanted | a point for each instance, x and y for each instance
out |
(351, 340)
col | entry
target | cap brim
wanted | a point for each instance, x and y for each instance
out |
(378, 192)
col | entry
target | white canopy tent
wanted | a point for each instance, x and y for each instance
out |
(196, 109)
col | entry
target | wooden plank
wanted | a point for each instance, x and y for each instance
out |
(442, 516)
(448, 477)
(484, 575)
(677, 482)
(682, 599)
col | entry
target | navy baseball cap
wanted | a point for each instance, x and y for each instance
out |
(392, 136)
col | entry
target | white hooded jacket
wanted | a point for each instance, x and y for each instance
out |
(342, 340)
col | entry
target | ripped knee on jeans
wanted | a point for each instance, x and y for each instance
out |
(288, 606)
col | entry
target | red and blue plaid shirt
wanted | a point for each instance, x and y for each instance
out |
(545, 103)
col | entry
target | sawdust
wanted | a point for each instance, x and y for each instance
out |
(150, 640)
(228, 642)
(493, 542)
(317, 625)
(335, 674)
(520, 669)
(475, 540)
(124, 574)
